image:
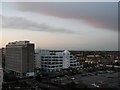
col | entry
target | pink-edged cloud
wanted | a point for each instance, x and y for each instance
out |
(99, 15)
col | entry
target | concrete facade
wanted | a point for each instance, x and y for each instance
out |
(55, 61)
(20, 58)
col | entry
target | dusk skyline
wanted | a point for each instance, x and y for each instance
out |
(60, 25)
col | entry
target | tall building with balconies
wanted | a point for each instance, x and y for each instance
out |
(20, 58)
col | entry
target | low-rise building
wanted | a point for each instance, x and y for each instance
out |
(55, 61)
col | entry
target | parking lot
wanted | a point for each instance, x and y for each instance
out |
(108, 79)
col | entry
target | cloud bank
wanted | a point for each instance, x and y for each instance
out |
(24, 24)
(96, 14)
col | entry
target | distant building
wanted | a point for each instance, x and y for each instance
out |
(1, 77)
(55, 61)
(92, 56)
(1, 70)
(0, 57)
(20, 58)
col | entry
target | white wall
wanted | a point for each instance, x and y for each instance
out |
(66, 59)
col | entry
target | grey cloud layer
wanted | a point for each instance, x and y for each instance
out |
(22, 23)
(100, 15)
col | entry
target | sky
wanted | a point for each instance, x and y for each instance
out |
(61, 25)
